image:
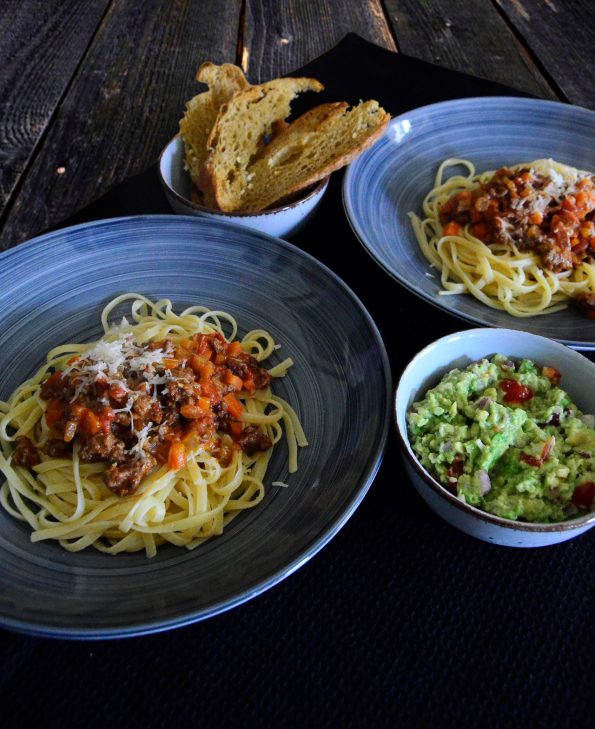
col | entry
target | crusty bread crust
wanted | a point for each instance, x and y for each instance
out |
(242, 154)
(243, 127)
(201, 112)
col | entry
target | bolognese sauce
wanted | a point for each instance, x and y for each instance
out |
(139, 406)
(545, 213)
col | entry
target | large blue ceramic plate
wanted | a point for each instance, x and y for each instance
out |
(52, 290)
(393, 177)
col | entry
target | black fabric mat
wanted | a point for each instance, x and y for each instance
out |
(401, 620)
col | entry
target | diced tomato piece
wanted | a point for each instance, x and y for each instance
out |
(54, 411)
(106, 418)
(584, 495)
(515, 391)
(234, 406)
(176, 458)
(118, 395)
(531, 460)
(210, 390)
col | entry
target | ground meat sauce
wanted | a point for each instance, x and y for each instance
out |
(137, 407)
(544, 213)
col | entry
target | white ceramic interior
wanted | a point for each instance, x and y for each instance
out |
(459, 350)
(282, 222)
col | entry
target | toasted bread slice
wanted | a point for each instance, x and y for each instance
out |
(321, 141)
(201, 111)
(244, 125)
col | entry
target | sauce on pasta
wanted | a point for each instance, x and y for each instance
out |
(160, 431)
(520, 239)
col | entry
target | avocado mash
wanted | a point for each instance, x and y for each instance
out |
(504, 437)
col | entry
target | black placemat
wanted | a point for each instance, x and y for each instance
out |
(401, 620)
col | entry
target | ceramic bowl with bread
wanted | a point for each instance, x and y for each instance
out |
(240, 156)
(281, 221)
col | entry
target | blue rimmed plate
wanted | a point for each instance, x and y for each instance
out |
(393, 177)
(52, 291)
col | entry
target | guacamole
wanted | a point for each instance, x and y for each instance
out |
(504, 437)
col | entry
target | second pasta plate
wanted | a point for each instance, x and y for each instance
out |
(391, 180)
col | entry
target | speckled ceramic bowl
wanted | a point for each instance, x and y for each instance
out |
(458, 350)
(283, 221)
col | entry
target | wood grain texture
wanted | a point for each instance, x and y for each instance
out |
(123, 105)
(562, 36)
(468, 36)
(41, 44)
(278, 37)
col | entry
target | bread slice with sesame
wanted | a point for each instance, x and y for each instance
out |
(244, 126)
(201, 111)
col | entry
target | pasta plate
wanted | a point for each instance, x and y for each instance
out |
(390, 180)
(52, 290)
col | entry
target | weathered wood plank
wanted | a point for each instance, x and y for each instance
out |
(468, 36)
(562, 36)
(278, 37)
(41, 45)
(123, 105)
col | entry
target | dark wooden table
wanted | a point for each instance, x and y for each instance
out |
(92, 89)
(90, 92)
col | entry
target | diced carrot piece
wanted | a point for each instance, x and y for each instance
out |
(234, 349)
(176, 458)
(91, 423)
(451, 228)
(234, 406)
(219, 358)
(233, 380)
(202, 366)
(170, 363)
(191, 412)
(536, 217)
(249, 383)
(204, 404)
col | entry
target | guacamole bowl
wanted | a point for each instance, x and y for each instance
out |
(459, 350)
